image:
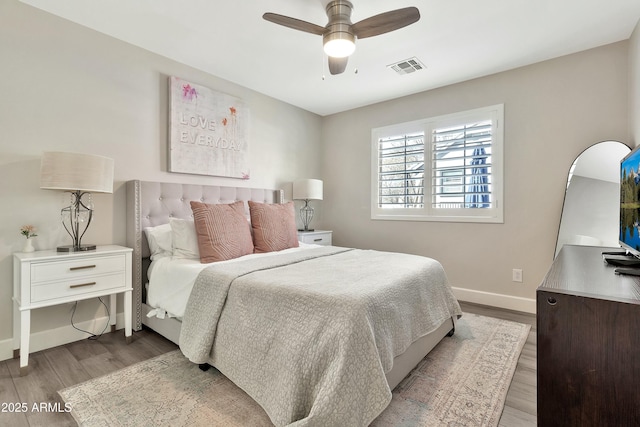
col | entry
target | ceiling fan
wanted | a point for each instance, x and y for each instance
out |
(339, 35)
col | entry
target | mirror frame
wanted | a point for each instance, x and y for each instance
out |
(556, 250)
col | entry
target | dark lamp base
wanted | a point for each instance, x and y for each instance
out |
(81, 248)
(302, 229)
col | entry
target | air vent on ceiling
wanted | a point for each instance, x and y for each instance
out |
(407, 66)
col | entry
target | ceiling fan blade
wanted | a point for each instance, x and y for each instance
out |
(296, 24)
(337, 65)
(385, 22)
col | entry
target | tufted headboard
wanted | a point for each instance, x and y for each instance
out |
(153, 203)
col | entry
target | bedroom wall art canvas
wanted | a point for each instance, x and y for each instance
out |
(208, 132)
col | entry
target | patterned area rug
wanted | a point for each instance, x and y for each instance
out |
(462, 382)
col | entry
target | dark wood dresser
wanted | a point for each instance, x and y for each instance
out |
(588, 348)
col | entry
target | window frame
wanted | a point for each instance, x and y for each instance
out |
(495, 214)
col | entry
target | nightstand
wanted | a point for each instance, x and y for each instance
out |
(317, 237)
(46, 278)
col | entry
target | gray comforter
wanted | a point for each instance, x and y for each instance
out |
(309, 335)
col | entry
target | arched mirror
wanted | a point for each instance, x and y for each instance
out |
(590, 213)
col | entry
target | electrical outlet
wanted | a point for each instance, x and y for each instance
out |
(516, 275)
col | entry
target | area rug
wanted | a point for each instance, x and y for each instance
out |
(462, 382)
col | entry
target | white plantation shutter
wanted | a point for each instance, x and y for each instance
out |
(461, 166)
(447, 168)
(401, 171)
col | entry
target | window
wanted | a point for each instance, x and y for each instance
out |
(446, 168)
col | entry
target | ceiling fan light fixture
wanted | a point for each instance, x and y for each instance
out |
(339, 44)
(339, 35)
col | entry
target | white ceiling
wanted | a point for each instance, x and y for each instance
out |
(457, 40)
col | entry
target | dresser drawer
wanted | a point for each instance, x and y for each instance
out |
(316, 238)
(76, 286)
(59, 270)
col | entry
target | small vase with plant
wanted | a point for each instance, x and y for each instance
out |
(28, 231)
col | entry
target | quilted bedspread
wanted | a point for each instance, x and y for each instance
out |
(310, 335)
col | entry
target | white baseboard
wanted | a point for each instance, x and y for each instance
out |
(526, 305)
(60, 336)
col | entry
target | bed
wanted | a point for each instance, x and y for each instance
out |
(250, 350)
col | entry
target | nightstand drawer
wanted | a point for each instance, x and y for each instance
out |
(53, 271)
(316, 238)
(76, 286)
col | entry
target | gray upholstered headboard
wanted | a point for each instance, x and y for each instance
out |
(153, 203)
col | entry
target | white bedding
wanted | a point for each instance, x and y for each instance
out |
(171, 280)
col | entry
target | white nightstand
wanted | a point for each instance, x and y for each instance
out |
(45, 278)
(317, 237)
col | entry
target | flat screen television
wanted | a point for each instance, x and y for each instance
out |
(630, 202)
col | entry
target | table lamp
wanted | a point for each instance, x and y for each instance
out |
(79, 174)
(307, 189)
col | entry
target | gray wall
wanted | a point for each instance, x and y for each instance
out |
(553, 111)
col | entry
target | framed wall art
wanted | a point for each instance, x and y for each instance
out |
(208, 131)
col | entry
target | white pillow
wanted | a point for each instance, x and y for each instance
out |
(184, 238)
(159, 239)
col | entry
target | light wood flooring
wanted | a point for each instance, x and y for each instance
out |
(60, 367)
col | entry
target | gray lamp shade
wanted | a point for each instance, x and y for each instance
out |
(307, 189)
(73, 171)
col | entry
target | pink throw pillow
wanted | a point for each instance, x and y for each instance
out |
(274, 226)
(223, 231)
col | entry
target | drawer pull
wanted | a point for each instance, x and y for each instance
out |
(552, 301)
(84, 267)
(317, 240)
(82, 284)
